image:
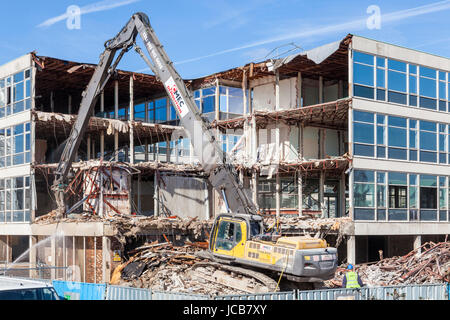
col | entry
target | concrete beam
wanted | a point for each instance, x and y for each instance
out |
(351, 250)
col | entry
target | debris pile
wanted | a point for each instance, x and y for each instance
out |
(164, 267)
(425, 265)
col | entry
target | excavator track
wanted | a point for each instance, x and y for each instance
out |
(237, 278)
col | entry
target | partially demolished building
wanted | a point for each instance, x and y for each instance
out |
(355, 132)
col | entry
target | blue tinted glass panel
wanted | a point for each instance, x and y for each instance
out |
(380, 135)
(442, 91)
(209, 91)
(397, 121)
(427, 103)
(397, 178)
(397, 97)
(428, 126)
(381, 215)
(428, 215)
(396, 65)
(399, 154)
(413, 155)
(426, 156)
(209, 104)
(412, 84)
(381, 119)
(398, 215)
(442, 158)
(364, 214)
(412, 69)
(428, 141)
(427, 72)
(428, 181)
(363, 116)
(397, 81)
(428, 87)
(363, 132)
(381, 81)
(363, 150)
(412, 139)
(364, 92)
(397, 137)
(381, 152)
(413, 101)
(442, 105)
(364, 176)
(363, 57)
(381, 62)
(381, 95)
(363, 75)
(442, 75)
(18, 77)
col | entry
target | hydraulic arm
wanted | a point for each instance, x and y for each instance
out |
(221, 175)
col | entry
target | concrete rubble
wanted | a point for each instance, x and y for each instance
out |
(425, 265)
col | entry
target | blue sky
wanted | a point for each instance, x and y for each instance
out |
(207, 36)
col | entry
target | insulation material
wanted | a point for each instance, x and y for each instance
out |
(332, 143)
(264, 97)
(317, 55)
(288, 93)
(331, 93)
(117, 126)
(310, 143)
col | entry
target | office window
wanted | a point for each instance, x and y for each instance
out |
(397, 138)
(363, 133)
(428, 141)
(363, 75)
(397, 83)
(15, 200)
(15, 145)
(398, 187)
(15, 93)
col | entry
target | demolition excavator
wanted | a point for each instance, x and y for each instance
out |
(239, 243)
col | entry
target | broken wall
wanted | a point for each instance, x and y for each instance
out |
(185, 197)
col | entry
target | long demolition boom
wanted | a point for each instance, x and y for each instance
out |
(222, 176)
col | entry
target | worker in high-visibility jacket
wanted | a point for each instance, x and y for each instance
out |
(351, 279)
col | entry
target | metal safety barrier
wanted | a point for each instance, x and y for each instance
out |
(90, 291)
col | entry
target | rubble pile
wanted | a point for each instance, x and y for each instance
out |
(164, 267)
(425, 265)
(126, 227)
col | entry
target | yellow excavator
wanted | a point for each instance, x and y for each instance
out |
(238, 241)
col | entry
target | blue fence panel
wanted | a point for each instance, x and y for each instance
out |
(79, 291)
(260, 296)
(158, 295)
(126, 293)
(407, 292)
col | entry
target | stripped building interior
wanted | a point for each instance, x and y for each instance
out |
(309, 135)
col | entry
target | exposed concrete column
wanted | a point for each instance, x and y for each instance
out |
(132, 154)
(168, 150)
(89, 144)
(156, 196)
(321, 89)
(106, 259)
(299, 89)
(417, 243)
(278, 196)
(255, 179)
(70, 105)
(321, 193)
(342, 198)
(102, 133)
(245, 110)
(33, 256)
(300, 193)
(351, 250)
(139, 202)
(350, 151)
(52, 102)
(116, 116)
(217, 101)
(146, 150)
(207, 206)
(53, 258)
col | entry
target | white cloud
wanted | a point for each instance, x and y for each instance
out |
(349, 26)
(94, 7)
